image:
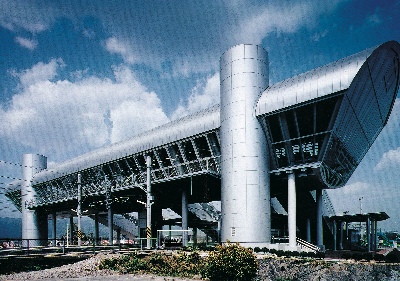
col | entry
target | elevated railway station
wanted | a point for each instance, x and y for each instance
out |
(263, 148)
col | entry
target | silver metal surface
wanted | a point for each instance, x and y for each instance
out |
(191, 125)
(313, 84)
(245, 190)
(34, 222)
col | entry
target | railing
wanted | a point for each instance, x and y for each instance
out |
(304, 244)
(209, 164)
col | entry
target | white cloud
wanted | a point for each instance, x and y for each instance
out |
(390, 159)
(375, 18)
(40, 72)
(54, 117)
(115, 46)
(203, 95)
(258, 22)
(26, 43)
(29, 16)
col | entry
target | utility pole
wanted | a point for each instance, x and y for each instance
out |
(79, 210)
(149, 202)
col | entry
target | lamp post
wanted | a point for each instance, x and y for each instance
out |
(149, 202)
(79, 210)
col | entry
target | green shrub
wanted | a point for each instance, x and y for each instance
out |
(231, 262)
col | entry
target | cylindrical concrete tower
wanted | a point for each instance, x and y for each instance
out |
(245, 187)
(34, 222)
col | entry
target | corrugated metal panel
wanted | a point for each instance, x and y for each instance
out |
(194, 124)
(312, 84)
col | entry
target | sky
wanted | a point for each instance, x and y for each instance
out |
(80, 75)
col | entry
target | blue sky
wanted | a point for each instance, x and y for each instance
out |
(79, 75)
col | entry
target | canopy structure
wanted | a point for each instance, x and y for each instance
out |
(327, 118)
(308, 132)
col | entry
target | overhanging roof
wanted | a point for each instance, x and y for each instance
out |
(316, 83)
(379, 216)
(185, 127)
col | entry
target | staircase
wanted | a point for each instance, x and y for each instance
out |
(127, 223)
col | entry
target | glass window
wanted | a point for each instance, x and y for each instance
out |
(281, 154)
(202, 147)
(162, 153)
(291, 124)
(324, 114)
(213, 139)
(274, 125)
(175, 154)
(188, 150)
(305, 119)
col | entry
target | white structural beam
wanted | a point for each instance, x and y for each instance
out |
(320, 237)
(292, 227)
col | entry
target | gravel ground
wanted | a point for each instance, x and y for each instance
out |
(270, 268)
(83, 271)
(274, 268)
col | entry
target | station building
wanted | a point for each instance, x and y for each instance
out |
(267, 153)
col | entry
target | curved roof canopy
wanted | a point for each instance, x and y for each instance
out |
(354, 96)
(185, 127)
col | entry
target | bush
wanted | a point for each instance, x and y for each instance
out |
(257, 249)
(231, 262)
(182, 264)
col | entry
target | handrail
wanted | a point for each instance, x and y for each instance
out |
(308, 245)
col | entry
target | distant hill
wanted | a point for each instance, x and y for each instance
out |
(10, 227)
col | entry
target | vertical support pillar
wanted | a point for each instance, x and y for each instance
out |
(245, 182)
(320, 238)
(194, 236)
(71, 229)
(184, 217)
(54, 227)
(118, 236)
(368, 234)
(110, 217)
(34, 222)
(149, 202)
(334, 235)
(308, 226)
(375, 236)
(341, 236)
(79, 210)
(96, 228)
(292, 211)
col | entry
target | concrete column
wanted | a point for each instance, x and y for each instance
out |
(334, 235)
(54, 226)
(375, 236)
(194, 236)
(110, 217)
(34, 222)
(71, 230)
(341, 236)
(292, 227)
(308, 226)
(245, 184)
(118, 236)
(320, 239)
(184, 217)
(368, 234)
(96, 228)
